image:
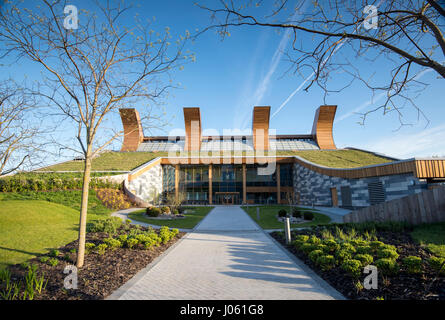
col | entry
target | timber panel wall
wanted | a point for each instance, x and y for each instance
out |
(260, 124)
(363, 172)
(133, 134)
(323, 126)
(432, 168)
(192, 119)
(424, 207)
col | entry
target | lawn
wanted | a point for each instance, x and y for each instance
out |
(268, 218)
(431, 237)
(33, 222)
(33, 227)
(189, 222)
(70, 199)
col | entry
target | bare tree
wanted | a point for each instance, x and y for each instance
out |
(92, 65)
(18, 143)
(408, 34)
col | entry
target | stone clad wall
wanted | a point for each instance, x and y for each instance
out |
(147, 184)
(315, 187)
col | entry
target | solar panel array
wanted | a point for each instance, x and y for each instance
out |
(228, 145)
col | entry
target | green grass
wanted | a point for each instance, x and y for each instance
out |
(431, 237)
(189, 222)
(341, 158)
(268, 218)
(33, 222)
(30, 228)
(70, 199)
(127, 161)
(112, 161)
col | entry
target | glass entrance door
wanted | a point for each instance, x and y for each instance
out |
(227, 198)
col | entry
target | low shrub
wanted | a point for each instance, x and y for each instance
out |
(387, 266)
(308, 247)
(387, 253)
(314, 240)
(122, 238)
(113, 199)
(175, 212)
(109, 225)
(54, 253)
(44, 259)
(302, 237)
(437, 264)
(343, 255)
(346, 246)
(375, 245)
(412, 264)
(131, 243)
(365, 259)
(101, 248)
(112, 243)
(47, 182)
(165, 210)
(364, 250)
(308, 216)
(165, 234)
(282, 213)
(326, 262)
(53, 262)
(313, 255)
(331, 245)
(153, 212)
(352, 267)
(89, 247)
(296, 213)
(298, 244)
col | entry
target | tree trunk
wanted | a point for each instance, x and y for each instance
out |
(83, 212)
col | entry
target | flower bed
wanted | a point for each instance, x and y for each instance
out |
(339, 254)
(115, 252)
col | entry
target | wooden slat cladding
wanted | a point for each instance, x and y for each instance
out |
(133, 134)
(260, 128)
(323, 126)
(431, 168)
(421, 169)
(192, 119)
(364, 172)
(425, 207)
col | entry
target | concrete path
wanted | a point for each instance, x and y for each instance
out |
(336, 214)
(227, 256)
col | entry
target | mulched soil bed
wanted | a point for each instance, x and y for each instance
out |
(402, 286)
(100, 276)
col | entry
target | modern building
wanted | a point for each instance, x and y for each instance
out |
(263, 167)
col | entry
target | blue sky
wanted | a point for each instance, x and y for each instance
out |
(229, 77)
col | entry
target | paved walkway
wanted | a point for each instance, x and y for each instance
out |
(226, 257)
(336, 214)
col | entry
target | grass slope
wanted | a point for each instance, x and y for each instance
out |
(432, 237)
(126, 161)
(113, 161)
(70, 199)
(32, 227)
(342, 158)
(268, 218)
(33, 222)
(189, 222)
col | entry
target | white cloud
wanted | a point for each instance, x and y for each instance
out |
(426, 143)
